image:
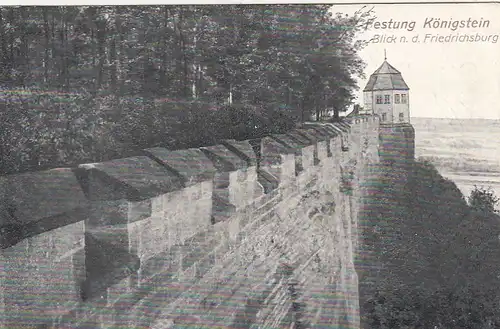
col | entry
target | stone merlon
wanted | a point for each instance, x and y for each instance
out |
(197, 237)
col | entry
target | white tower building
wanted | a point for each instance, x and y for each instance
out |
(387, 95)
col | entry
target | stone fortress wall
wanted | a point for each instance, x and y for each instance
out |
(258, 233)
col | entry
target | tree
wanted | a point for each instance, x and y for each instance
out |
(145, 70)
(483, 200)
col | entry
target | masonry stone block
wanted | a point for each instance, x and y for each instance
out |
(191, 164)
(108, 260)
(318, 141)
(322, 128)
(267, 180)
(343, 126)
(42, 234)
(38, 202)
(327, 134)
(289, 143)
(300, 138)
(164, 266)
(136, 178)
(305, 152)
(297, 147)
(339, 129)
(121, 192)
(206, 189)
(41, 275)
(186, 216)
(344, 136)
(243, 149)
(116, 212)
(44, 194)
(152, 236)
(309, 142)
(244, 187)
(323, 150)
(158, 241)
(224, 159)
(222, 208)
(330, 129)
(310, 134)
(272, 152)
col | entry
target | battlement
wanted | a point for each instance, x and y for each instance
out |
(90, 246)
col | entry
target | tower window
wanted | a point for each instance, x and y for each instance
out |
(404, 99)
(401, 116)
(397, 98)
(384, 116)
(387, 99)
(379, 99)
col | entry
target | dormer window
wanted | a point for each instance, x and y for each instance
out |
(387, 99)
(404, 99)
(379, 99)
(397, 98)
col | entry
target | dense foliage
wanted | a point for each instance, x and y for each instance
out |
(404, 306)
(436, 257)
(481, 199)
(89, 83)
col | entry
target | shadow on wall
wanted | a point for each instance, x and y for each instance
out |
(107, 235)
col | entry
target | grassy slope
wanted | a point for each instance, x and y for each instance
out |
(422, 233)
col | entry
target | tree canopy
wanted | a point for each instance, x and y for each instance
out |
(481, 199)
(94, 79)
(285, 54)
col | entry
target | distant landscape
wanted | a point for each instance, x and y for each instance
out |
(466, 151)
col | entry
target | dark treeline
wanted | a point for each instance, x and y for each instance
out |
(88, 83)
(435, 261)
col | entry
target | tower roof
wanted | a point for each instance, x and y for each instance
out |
(386, 77)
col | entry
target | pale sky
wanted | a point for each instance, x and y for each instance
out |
(446, 80)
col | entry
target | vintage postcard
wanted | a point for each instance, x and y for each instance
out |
(287, 165)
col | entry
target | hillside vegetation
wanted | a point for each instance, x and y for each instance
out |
(90, 83)
(435, 259)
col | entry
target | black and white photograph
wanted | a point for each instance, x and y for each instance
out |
(247, 165)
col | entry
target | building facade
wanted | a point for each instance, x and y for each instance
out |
(387, 95)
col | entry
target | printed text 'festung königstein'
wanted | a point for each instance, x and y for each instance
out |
(450, 31)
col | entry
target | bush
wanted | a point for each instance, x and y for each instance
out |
(403, 306)
(44, 130)
(483, 200)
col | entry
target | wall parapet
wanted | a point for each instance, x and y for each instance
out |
(98, 237)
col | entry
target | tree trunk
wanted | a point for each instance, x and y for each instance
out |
(146, 92)
(63, 61)
(11, 60)
(3, 48)
(101, 40)
(92, 19)
(201, 86)
(52, 66)
(113, 67)
(184, 61)
(165, 57)
(119, 50)
(24, 69)
(46, 31)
